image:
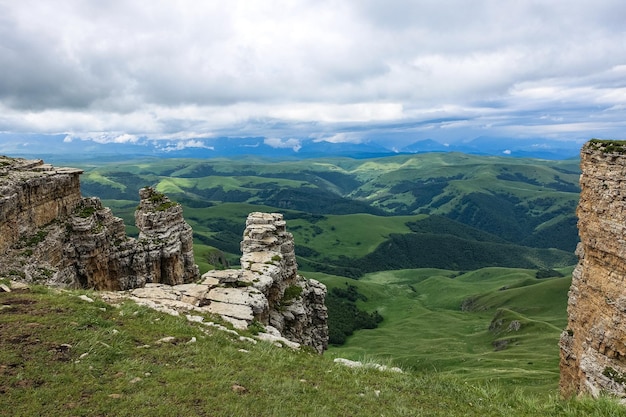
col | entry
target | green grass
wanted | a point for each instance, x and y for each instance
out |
(351, 235)
(425, 327)
(326, 200)
(63, 356)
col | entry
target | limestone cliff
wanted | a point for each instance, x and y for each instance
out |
(50, 234)
(33, 194)
(593, 348)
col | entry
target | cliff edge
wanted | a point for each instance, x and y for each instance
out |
(593, 347)
(50, 234)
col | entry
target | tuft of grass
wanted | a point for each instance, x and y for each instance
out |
(166, 205)
(291, 292)
(608, 145)
(85, 212)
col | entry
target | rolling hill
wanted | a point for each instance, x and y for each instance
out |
(355, 216)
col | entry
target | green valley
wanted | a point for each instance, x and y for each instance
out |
(467, 259)
(346, 215)
(494, 324)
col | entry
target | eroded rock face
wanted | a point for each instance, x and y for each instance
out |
(99, 254)
(51, 235)
(593, 348)
(296, 305)
(267, 290)
(32, 195)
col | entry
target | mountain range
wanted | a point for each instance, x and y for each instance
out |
(66, 148)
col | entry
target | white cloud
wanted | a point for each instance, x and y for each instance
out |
(182, 144)
(281, 69)
(340, 138)
(291, 143)
(103, 137)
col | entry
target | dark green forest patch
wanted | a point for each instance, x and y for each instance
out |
(344, 317)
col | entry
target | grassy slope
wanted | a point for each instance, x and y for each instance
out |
(352, 235)
(425, 328)
(62, 356)
(462, 187)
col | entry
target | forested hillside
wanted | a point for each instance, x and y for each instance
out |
(350, 217)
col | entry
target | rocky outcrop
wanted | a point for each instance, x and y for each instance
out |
(99, 255)
(32, 195)
(593, 348)
(267, 291)
(50, 234)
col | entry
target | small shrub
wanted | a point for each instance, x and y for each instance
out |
(35, 239)
(166, 205)
(608, 146)
(615, 375)
(291, 292)
(157, 197)
(256, 327)
(85, 212)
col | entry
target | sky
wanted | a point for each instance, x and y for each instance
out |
(339, 71)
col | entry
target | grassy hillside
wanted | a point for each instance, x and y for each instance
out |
(446, 247)
(62, 356)
(350, 217)
(492, 324)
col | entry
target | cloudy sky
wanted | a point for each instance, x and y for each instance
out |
(346, 70)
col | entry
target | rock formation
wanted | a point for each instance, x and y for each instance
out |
(593, 348)
(267, 290)
(50, 234)
(32, 195)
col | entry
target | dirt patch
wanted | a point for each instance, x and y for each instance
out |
(23, 339)
(18, 301)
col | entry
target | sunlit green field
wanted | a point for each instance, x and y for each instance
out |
(425, 327)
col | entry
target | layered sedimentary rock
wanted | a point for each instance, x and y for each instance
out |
(50, 234)
(99, 255)
(267, 289)
(32, 195)
(593, 348)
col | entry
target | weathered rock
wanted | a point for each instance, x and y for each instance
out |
(593, 348)
(296, 305)
(268, 291)
(32, 195)
(50, 234)
(100, 255)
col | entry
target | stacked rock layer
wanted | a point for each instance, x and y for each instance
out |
(266, 290)
(593, 347)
